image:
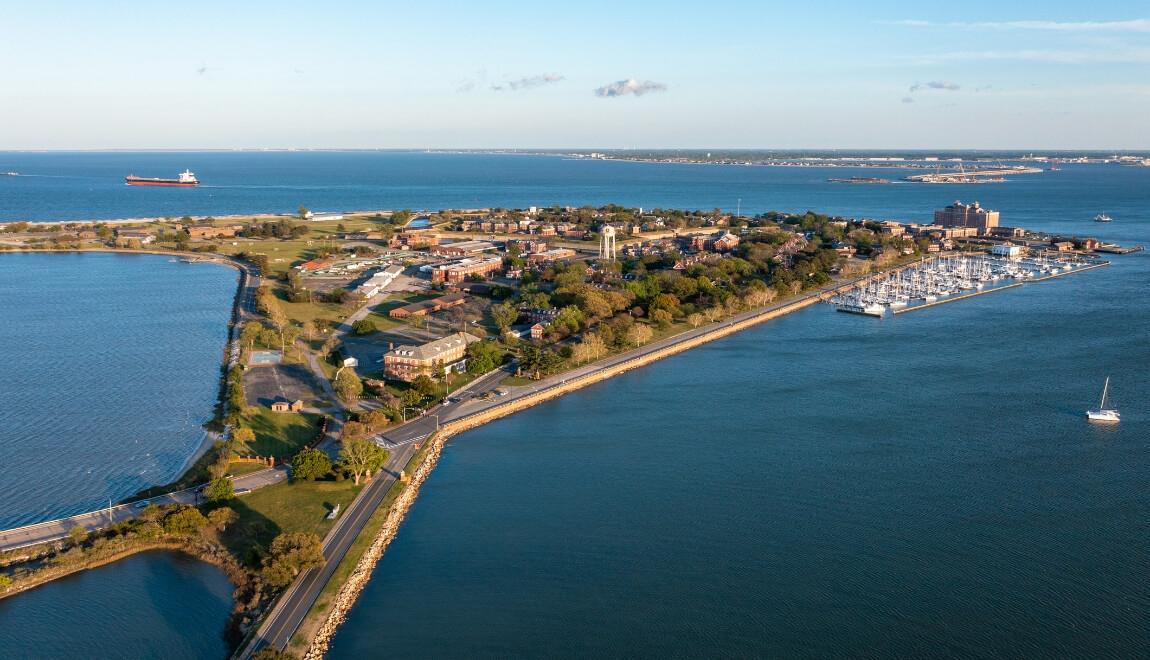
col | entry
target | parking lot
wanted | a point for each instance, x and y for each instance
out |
(265, 384)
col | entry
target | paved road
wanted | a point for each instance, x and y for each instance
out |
(57, 529)
(287, 615)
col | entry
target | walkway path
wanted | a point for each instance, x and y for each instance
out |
(53, 530)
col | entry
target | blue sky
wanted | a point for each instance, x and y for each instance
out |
(975, 74)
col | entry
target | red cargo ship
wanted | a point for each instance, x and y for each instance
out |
(186, 179)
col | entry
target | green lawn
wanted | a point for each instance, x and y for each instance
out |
(279, 434)
(237, 469)
(285, 507)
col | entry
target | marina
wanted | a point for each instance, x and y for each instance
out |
(944, 279)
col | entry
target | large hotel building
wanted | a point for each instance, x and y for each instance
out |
(967, 215)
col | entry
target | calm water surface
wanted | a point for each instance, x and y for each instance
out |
(823, 485)
(123, 610)
(109, 366)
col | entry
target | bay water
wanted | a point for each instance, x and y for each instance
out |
(822, 485)
(109, 367)
(161, 605)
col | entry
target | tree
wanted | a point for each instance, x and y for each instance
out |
(77, 535)
(363, 327)
(424, 385)
(5, 582)
(348, 385)
(591, 348)
(662, 318)
(639, 334)
(695, 319)
(303, 213)
(483, 356)
(308, 330)
(310, 464)
(361, 456)
(504, 315)
(185, 521)
(410, 397)
(291, 554)
(243, 434)
(222, 518)
(220, 490)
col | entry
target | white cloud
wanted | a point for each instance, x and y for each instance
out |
(629, 86)
(1133, 25)
(528, 82)
(936, 84)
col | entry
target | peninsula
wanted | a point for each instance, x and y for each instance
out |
(360, 342)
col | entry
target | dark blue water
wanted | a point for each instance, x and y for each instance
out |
(823, 485)
(109, 366)
(90, 185)
(123, 610)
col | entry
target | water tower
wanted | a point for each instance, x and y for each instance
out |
(607, 243)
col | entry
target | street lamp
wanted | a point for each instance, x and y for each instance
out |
(405, 409)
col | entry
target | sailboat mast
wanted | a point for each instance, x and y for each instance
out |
(1105, 386)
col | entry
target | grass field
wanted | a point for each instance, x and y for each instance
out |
(279, 434)
(302, 506)
(238, 469)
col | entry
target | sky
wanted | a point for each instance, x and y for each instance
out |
(1057, 74)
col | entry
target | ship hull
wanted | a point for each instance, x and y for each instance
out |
(167, 183)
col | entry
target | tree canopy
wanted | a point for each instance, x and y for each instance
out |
(292, 553)
(310, 464)
(361, 456)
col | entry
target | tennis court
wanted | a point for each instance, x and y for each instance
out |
(259, 358)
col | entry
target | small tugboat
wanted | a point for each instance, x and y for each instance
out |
(187, 179)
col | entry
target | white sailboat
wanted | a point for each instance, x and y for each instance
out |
(1102, 413)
